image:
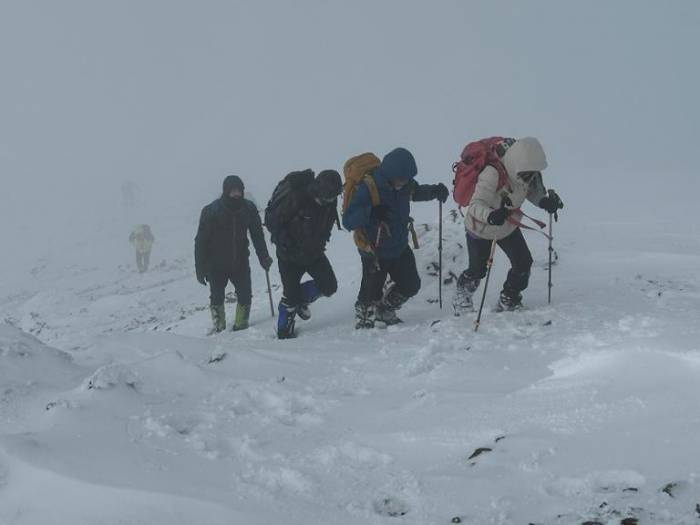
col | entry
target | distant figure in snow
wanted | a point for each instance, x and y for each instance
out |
(142, 240)
(221, 251)
(493, 214)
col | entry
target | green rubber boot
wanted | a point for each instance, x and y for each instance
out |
(242, 316)
(218, 318)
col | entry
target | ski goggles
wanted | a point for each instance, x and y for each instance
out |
(527, 176)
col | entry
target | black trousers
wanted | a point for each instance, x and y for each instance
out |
(401, 269)
(291, 273)
(142, 260)
(239, 277)
(518, 253)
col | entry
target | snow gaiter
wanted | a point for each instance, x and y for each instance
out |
(242, 316)
(218, 318)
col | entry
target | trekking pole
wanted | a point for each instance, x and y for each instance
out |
(489, 264)
(549, 285)
(440, 253)
(551, 250)
(505, 201)
(269, 293)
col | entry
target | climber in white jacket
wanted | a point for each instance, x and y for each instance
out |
(494, 214)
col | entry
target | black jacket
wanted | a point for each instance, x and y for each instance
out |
(305, 227)
(221, 243)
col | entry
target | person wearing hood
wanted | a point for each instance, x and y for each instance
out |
(387, 228)
(300, 216)
(494, 214)
(221, 251)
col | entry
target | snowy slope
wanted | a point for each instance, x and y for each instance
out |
(116, 408)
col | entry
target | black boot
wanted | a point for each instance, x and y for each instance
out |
(462, 301)
(386, 308)
(509, 301)
(364, 315)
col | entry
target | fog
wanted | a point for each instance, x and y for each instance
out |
(176, 95)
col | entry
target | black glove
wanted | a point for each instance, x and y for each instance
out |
(551, 203)
(498, 217)
(440, 192)
(299, 179)
(201, 278)
(266, 262)
(380, 213)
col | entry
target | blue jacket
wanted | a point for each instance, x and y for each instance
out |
(398, 163)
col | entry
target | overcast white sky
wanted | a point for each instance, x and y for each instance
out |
(175, 95)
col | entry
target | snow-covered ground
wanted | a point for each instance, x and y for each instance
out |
(115, 408)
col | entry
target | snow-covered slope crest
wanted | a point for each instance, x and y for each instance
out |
(123, 442)
(30, 372)
(24, 357)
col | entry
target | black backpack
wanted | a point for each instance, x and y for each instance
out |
(282, 191)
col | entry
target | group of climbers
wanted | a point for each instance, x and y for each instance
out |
(302, 214)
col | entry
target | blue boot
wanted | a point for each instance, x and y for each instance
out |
(309, 293)
(285, 321)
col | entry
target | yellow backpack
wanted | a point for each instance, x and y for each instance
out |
(358, 170)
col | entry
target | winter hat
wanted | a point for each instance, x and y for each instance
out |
(398, 164)
(233, 182)
(329, 184)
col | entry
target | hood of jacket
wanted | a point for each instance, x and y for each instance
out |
(526, 154)
(397, 164)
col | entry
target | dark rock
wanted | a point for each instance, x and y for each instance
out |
(217, 358)
(669, 488)
(479, 451)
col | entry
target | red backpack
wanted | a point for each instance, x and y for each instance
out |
(475, 157)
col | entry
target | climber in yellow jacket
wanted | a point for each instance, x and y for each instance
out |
(142, 240)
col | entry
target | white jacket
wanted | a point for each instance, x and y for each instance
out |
(525, 154)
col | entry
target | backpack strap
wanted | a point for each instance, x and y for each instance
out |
(519, 224)
(360, 235)
(503, 181)
(371, 184)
